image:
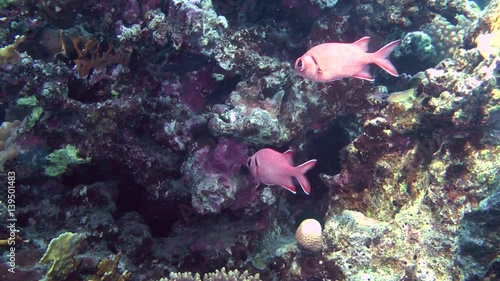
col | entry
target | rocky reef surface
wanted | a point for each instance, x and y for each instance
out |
(127, 126)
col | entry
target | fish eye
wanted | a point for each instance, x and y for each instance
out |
(299, 64)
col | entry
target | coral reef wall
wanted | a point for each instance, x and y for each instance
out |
(127, 126)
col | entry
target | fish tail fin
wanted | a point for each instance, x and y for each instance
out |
(300, 175)
(380, 57)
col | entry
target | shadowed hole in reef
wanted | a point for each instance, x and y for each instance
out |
(79, 90)
(323, 146)
(223, 89)
(159, 214)
(128, 192)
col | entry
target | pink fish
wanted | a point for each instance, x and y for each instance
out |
(333, 61)
(271, 167)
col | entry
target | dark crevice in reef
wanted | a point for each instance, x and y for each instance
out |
(325, 147)
(223, 90)
(80, 90)
(159, 214)
(128, 197)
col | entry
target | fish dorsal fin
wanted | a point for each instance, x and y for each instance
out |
(288, 156)
(364, 73)
(363, 43)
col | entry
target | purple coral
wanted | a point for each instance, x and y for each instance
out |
(212, 175)
(198, 84)
(227, 157)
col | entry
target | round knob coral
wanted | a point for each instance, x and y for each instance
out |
(309, 235)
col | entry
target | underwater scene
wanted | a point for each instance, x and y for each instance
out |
(246, 140)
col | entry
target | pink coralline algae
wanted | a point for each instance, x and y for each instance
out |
(227, 157)
(198, 85)
(212, 175)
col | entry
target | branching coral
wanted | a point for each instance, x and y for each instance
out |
(107, 270)
(89, 57)
(222, 275)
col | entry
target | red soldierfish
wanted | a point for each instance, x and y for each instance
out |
(333, 61)
(271, 167)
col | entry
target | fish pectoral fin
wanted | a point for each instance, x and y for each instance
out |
(320, 74)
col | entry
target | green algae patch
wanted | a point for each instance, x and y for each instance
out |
(60, 159)
(35, 116)
(61, 252)
(29, 101)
